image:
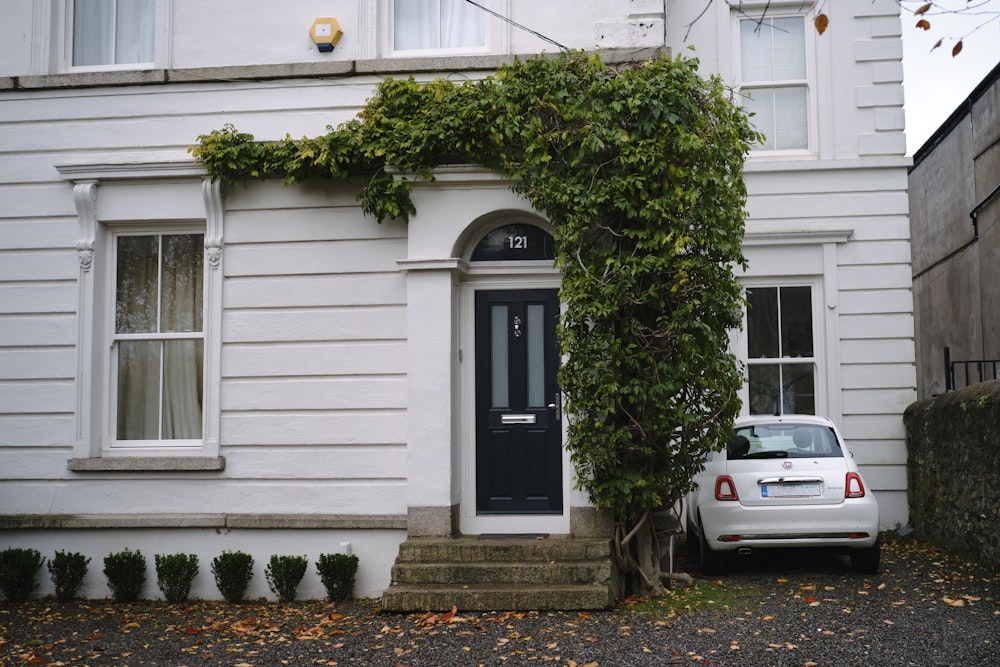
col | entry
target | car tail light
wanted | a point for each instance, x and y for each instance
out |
(854, 488)
(725, 488)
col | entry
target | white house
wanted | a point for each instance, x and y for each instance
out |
(185, 367)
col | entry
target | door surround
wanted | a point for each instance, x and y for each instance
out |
(500, 275)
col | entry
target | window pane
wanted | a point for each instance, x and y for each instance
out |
(799, 389)
(93, 37)
(788, 40)
(780, 114)
(462, 25)
(183, 263)
(755, 50)
(773, 49)
(435, 24)
(109, 32)
(139, 390)
(790, 123)
(796, 322)
(136, 297)
(182, 389)
(535, 331)
(499, 355)
(416, 24)
(762, 322)
(765, 389)
(134, 32)
(759, 104)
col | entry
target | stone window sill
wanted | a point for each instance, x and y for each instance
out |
(148, 464)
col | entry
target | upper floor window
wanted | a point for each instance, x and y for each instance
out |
(774, 80)
(113, 32)
(437, 24)
(781, 355)
(158, 341)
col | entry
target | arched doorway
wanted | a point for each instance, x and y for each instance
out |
(515, 471)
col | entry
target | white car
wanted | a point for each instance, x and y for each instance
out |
(784, 481)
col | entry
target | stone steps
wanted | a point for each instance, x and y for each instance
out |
(434, 574)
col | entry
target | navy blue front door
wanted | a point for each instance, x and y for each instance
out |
(518, 425)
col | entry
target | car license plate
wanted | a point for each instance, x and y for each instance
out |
(808, 490)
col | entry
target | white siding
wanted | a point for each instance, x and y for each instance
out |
(314, 387)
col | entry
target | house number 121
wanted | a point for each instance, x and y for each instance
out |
(517, 242)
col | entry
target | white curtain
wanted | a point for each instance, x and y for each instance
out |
(107, 32)
(159, 290)
(438, 24)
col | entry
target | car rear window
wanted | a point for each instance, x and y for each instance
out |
(784, 440)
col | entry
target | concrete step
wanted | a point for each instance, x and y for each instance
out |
(509, 574)
(495, 597)
(471, 550)
(565, 572)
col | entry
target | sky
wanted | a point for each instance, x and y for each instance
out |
(935, 83)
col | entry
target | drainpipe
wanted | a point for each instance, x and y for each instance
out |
(974, 213)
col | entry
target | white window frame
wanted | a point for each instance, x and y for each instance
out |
(815, 295)
(750, 9)
(497, 34)
(63, 38)
(741, 342)
(113, 233)
(188, 202)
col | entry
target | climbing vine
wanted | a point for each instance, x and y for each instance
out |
(639, 168)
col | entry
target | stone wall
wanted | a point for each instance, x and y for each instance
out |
(953, 469)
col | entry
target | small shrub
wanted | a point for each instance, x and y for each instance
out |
(233, 571)
(68, 571)
(126, 573)
(174, 575)
(19, 572)
(337, 571)
(284, 574)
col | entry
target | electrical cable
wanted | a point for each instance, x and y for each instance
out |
(518, 25)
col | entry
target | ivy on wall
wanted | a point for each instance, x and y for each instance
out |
(639, 168)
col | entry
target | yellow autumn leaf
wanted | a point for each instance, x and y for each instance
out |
(821, 22)
(923, 9)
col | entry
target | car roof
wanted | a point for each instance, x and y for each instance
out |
(779, 419)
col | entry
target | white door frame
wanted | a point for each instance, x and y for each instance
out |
(497, 276)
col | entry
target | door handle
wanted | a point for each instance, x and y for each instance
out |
(555, 407)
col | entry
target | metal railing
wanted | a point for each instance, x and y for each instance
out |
(972, 370)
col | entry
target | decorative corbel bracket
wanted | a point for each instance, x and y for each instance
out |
(85, 198)
(211, 191)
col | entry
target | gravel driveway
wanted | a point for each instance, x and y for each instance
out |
(924, 608)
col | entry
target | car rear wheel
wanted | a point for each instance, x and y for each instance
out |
(711, 562)
(867, 561)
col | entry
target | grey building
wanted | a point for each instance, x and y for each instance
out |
(955, 239)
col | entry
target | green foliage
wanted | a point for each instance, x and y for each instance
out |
(284, 574)
(337, 572)
(68, 571)
(639, 168)
(126, 573)
(174, 575)
(233, 571)
(19, 572)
